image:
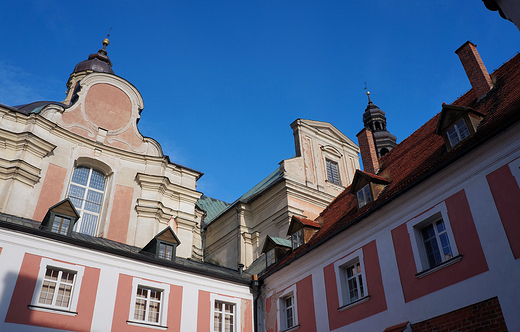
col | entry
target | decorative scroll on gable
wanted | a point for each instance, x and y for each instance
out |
(107, 110)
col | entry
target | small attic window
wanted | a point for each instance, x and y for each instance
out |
(166, 250)
(60, 225)
(363, 196)
(163, 245)
(457, 123)
(297, 239)
(458, 132)
(60, 218)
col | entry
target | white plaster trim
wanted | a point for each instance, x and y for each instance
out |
(291, 291)
(514, 166)
(441, 266)
(52, 310)
(341, 285)
(413, 225)
(163, 314)
(355, 303)
(78, 269)
(236, 315)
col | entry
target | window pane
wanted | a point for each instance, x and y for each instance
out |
(97, 180)
(80, 175)
(88, 224)
(139, 311)
(77, 192)
(47, 292)
(153, 315)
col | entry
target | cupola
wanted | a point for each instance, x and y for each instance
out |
(96, 63)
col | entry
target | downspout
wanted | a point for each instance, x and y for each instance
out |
(239, 235)
(256, 294)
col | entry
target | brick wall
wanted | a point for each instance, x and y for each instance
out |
(475, 69)
(482, 316)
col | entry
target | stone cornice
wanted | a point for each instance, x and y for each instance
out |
(163, 185)
(25, 141)
(19, 170)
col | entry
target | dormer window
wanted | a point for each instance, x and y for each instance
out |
(165, 251)
(457, 123)
(163, 245)
(367, 187)
(60, 218)
(363, 196)
(275, 248)
(60, 225)
(458, 132)
(301, 230)
(297, 239)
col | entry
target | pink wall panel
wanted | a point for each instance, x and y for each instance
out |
(204, 312)
(305, 306)
(468, 243)
(19, 313)
(123, 304)
(374, 281)
(51, 190)
(506, 195)
(120, 215)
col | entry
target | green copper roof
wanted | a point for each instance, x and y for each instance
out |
(281, 242)
(212, 206)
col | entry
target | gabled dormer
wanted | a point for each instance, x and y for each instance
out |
(367, 187)
(163, 245)
(275, 248)
(60, 218)
(301, 230)
(457, 123)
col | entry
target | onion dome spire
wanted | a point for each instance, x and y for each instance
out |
(98, 62)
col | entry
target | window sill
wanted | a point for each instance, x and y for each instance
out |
(145, 324)
(294, 328)
(52, 310)
(442, 265)
(355, 303)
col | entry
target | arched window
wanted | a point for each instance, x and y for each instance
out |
(86, 190)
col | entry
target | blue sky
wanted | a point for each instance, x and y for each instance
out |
(223, 80)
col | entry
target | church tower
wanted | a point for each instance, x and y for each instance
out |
(374, 120)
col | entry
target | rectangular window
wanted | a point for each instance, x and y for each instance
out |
(332, 171)
(270, 257)
(297, 239)
(165, 251)
(458, 132)
(436, 243)
(57, 286)
(224, 317)
(60, 225)
(363, 196)
(288, 311)
(147, 305)
(354, 281)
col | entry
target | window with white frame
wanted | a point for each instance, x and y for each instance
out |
(354, 281)
(270, 257)
(287, 309)
(432, 238)
(57, 286)
(297, 239)
(363, 196)
(350, 278)
(458, 132)
(332, 171)
(436, 243)
(149, 302)
(224, 315)
(287, 314)
(86, 190)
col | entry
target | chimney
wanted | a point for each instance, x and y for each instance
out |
(475, 69)
(368, 151)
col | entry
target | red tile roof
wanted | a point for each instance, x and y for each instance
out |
(397, 328)
(308, 222)
(422, 154)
